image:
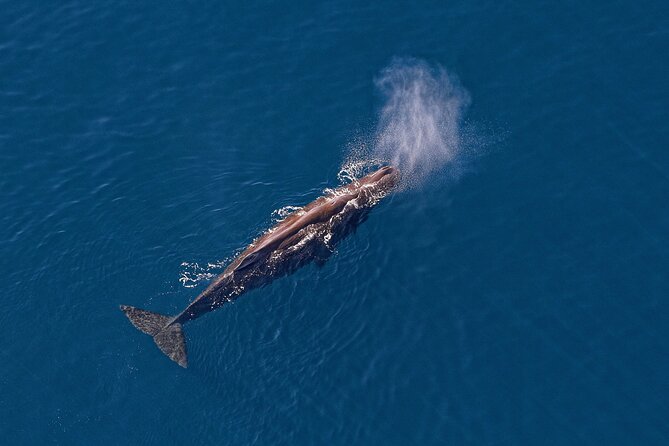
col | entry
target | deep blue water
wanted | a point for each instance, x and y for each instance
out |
(524, 302)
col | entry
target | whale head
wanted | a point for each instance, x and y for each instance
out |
(381, 181)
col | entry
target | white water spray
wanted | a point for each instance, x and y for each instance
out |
(420, 124)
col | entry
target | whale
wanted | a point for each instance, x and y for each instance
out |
(309, 234)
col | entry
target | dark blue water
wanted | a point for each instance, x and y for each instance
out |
(521, 300)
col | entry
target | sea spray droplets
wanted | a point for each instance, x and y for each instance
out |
(419, 124)
(356, 166)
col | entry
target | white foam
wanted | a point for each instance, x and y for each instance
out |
(193, 274)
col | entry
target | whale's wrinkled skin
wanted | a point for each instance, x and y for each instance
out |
(309, 234)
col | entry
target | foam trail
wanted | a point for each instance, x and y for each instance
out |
(419, 126)
(193, 274)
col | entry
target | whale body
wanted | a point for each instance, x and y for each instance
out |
(310, 234)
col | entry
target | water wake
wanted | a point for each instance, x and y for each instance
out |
(420, 126)
(193, 274)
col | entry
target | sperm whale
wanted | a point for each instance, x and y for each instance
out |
(309, 234)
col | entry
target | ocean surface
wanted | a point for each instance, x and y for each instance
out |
(516, 293)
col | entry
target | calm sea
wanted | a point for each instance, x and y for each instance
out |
(518, 299)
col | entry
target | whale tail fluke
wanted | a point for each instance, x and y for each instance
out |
(168, 336)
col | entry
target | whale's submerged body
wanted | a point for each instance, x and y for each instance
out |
(308, 234)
